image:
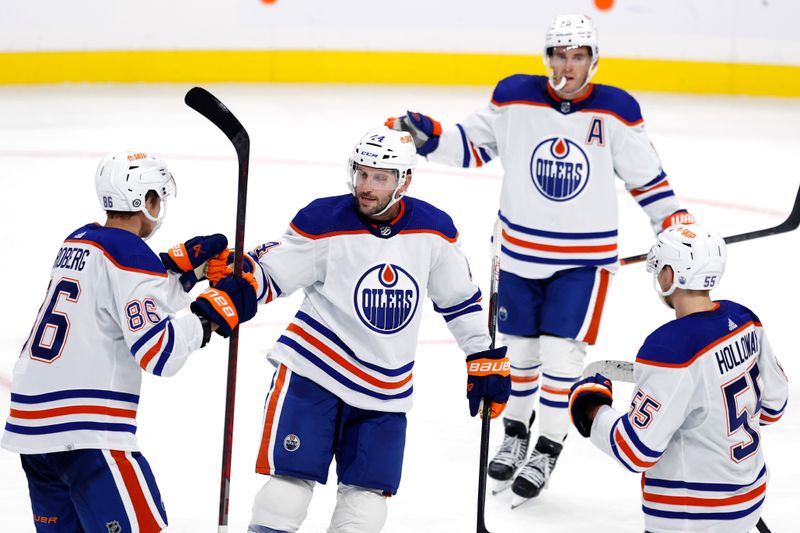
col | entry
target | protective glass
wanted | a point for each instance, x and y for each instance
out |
(374, 179)
(652, 261)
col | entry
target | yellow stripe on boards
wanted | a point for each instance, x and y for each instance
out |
(298, 66)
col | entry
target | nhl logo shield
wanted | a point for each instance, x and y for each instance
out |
(114, 527)
(559, 169)
(386, 298)
(291, 443)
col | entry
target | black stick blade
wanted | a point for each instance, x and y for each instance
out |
(210, 107)
(790, 224)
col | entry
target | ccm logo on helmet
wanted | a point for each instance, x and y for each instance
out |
(484, 366)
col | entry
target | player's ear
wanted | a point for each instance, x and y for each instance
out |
(404, 188)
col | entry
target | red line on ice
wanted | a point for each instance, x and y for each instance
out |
(55, 154)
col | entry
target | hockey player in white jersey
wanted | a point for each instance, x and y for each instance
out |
(705, 383)
(344, 381)
(562, 140)
(109, 314)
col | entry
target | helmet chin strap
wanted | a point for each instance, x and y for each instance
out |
(664, 294)
(393, 201)
(158, 220)
(560, 85)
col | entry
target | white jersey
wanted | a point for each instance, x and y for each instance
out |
(559, 201)
(705, 383)
(108, 315)
(356, 331)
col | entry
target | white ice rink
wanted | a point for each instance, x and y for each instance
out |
(731, 160)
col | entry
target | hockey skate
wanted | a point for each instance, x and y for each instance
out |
(533, 477)
(510, 456)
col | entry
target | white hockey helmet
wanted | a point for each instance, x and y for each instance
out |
(123, 179)
(571, 31)
(386, 149)
(697, 256)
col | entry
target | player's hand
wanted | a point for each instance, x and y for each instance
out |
(189, 258)
(228, 303)
(221, 265)
(584, 396)
(488, 379)
(422, 128)
(678, 217)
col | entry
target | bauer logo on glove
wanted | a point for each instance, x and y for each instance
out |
(228, 303)
(488, 379)
(484, 367)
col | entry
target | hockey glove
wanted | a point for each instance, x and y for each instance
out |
(228, 303)
(422, 128)
(488, 378)
(678, 217)
(221, 265)
(189, 259)
(585, 395)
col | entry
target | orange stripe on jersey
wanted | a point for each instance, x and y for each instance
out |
(153, 351)
(764, 417)
(557, 98)
(319, 345)
(705, 502)
(553, 390)
(401, 213)
(639, 192)
(524, 379)
(262, 460)
(114, 261)
(475, 155)
(73, 410)
(702, 351)
(329, 234)
(431, 231)
(629, 453)
(520, 102)
(147, 522)
(562, 249)
(607, 112)
(597, 312)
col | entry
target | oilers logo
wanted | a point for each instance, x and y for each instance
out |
(559, 169)
(386, 298)
(291, 443)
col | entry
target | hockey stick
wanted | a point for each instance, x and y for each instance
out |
(207, 105)
(623, 371)
(485, 405)
(791, 223)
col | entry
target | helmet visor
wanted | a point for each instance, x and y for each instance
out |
(652, 261)
(366, 178)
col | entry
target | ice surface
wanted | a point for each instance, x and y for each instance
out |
(732, 161)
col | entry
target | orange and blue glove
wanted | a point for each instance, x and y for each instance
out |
(585, 395)
(228, 303)
(424, 130)
(488, 379)
(189, 258)
(221, 265)
(678, 217)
